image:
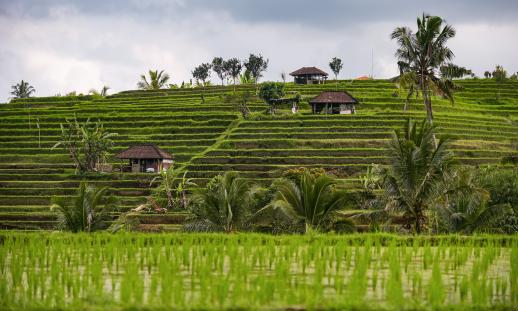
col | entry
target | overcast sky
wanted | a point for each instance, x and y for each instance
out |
(62, 46)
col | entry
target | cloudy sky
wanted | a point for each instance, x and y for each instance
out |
(61, 46)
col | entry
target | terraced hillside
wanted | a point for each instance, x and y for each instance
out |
(210, 138)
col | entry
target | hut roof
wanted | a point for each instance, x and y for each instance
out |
(308, 71)
(334, 97)
(146, 151)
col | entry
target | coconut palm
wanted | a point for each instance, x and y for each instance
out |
(223, 205)
(156, 81)
(22, 90)
(423, 53)
(418, 170)
(88, 211)
(465, 207)
(311, 199)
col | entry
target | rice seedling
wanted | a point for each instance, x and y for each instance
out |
(252, 271)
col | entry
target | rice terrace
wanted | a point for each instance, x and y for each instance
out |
(274, 178)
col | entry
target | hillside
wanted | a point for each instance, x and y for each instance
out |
(210, 138)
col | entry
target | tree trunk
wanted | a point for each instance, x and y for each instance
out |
(170, 201)
(428, 105)
(184, 199)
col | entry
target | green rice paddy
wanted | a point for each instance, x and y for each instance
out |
(252, 271)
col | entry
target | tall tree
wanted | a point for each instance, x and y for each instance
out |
(232, 69)
(270, 92)
(418, 170)
(202, 73)
(22, 90)
(219, 68)
(487, 74)
(156, 81)
(423, 53)
(500, 76)
(336, 65)
(256, 65)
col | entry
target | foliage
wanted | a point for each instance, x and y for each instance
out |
(202, 73)
(87, 144)
(502, 185)
(311, 199)
(223, 205)
(89, 210)
(423, 53)
(246, 77)
(271, 91)
(218, 65)
(336, 65)
(417, 172)
(173, 186)
(156, 81)
(22, 90)
(487, 74)
(465, 208)
(256, 65)
(232, 68)
(500, 76)
(102, 93)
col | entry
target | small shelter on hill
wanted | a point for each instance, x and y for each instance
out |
(309, 75)
(333, 102)
(146, 158)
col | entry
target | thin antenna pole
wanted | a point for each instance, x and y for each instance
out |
(372, 63)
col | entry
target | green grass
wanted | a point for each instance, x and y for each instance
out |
(252, 271)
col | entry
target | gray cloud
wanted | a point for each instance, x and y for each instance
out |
(60, 46)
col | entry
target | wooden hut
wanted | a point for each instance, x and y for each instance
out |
(146, 158)
(309, 75)
(333, 102)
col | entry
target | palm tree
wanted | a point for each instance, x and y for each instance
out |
(423, 53)
(22, 90)
(88, 211)
(465, 207)
(311, 199)
(157, 80)
(416, 173)
(223, 205)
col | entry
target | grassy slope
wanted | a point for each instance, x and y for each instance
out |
(210, 138)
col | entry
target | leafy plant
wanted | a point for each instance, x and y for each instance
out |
(311, 199)
(421, 54)
(336, 65)
(223, 205)
(22, 90)
(218, 65)
(270, 92)
(417, 173)
(156, 81)
(232, 68)
(87, 144)
(465, 208)
(88, 211)
(256, 65)
(202, 73)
